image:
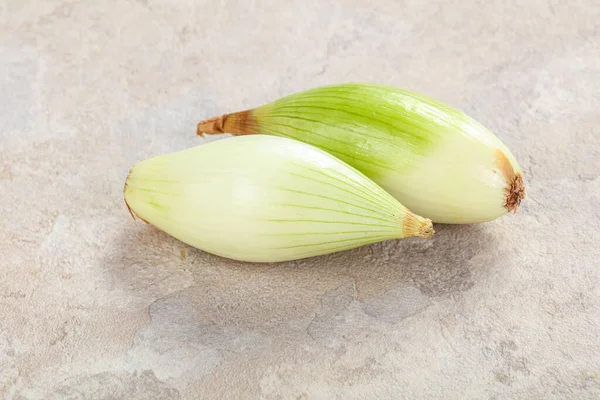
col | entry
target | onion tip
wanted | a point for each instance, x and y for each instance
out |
(213, 126)
(239, 123)
(415, 225)
(515, 192)
(127, 189)
(515, 187)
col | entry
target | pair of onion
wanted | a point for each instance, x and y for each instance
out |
(327, 170)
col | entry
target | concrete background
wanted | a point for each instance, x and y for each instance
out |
(96, 306)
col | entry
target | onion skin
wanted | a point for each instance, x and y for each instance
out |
(264, 198)
(433, 158)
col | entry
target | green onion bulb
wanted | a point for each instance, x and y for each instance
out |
(264, 198)
(435, 159)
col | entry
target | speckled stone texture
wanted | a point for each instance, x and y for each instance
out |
(96, 306)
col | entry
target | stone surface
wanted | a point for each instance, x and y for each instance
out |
(93, 305)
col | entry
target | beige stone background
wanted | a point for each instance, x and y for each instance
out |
(96, 306)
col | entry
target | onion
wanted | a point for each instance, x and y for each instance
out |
(265, 199)
(433, 158)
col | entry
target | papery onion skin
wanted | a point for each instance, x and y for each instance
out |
(433, 158)
(264, 198)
